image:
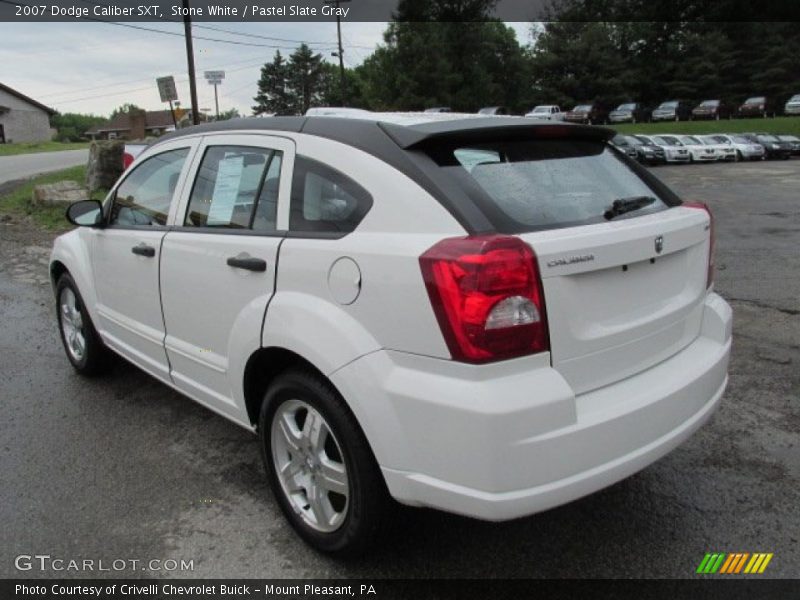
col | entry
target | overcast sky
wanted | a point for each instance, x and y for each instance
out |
(95, 67)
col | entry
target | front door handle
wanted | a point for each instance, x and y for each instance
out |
(248, 263)
(144, 250)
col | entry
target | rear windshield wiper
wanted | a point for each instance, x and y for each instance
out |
(625, 205)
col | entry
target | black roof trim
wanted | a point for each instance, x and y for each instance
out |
(402, 146)
(488, 128)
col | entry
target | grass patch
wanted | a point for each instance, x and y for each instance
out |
(18, 202)
(783, 125)
(35, 147)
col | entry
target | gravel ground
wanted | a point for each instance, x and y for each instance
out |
(122, 467)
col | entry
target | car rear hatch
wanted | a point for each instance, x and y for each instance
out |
(624, 289)
(622, 296)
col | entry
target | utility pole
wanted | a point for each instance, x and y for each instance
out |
(187, 26)
(340, 53)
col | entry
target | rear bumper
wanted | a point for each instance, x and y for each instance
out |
(507, 440)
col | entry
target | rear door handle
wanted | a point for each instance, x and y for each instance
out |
(144, 250)
(248, 263)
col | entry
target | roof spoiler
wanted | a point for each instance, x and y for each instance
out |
(489, 129)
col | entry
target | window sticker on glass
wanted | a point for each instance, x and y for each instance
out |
(226, 189)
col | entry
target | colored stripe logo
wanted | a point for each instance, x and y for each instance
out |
(734, 563)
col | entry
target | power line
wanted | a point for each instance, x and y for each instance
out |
(150, 87)
(250, 62)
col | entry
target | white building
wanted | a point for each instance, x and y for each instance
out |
(23, 119)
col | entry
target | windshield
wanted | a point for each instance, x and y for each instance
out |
(795, 98)
(741, 140)
(708, 141)
(634, 141)
(789, 138)
(541, 109)
(688, 139)
(767, 138)
(668, 140)
(670, 104)
(755, 100)
(626, 106)
(709, 103)
(583, 108)
(531, 185)
(721, 139)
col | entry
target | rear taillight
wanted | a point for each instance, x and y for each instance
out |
(487, 295)
(127, 159)
(712, 239)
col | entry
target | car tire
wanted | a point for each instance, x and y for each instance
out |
(342, 519)
(738, 157)
(717, 117)
(85, 350)
(677, 118)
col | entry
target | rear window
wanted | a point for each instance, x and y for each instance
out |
(533, 185)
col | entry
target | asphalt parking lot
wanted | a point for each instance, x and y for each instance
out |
(124, 468)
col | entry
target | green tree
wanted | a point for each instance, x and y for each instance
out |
(307, 79)
(229, 114)
(125, 108)
(436, 53)
(72, 127)
(273, 94)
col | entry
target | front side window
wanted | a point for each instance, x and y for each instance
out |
(236, 188)
(324, 199)
(143, 199)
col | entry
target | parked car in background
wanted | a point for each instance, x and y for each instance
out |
(756, 106)
(591, 113)
(745, 148)
(130, 152)
(547, 112)
(672, 110)
(793, 140)
(439, 109)
(698, 151)
(792, 106)
(674, 150)
(725, 151)
(647, 152)
(711, 109)
(629, 112)
(774, 147)
(494, 110)
(492, 337)
(623, 143)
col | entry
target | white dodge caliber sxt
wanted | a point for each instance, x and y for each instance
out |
(490, 316)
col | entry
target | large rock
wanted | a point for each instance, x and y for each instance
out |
(105, 164)
(59, 193)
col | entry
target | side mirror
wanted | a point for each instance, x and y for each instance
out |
(86, 213)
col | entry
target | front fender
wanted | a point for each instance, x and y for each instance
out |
(73, 250)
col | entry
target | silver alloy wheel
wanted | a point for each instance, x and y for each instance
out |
(72, 324)
(310, 465)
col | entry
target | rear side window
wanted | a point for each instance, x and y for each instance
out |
(236, 188)
(546, 184)
(324, 199)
